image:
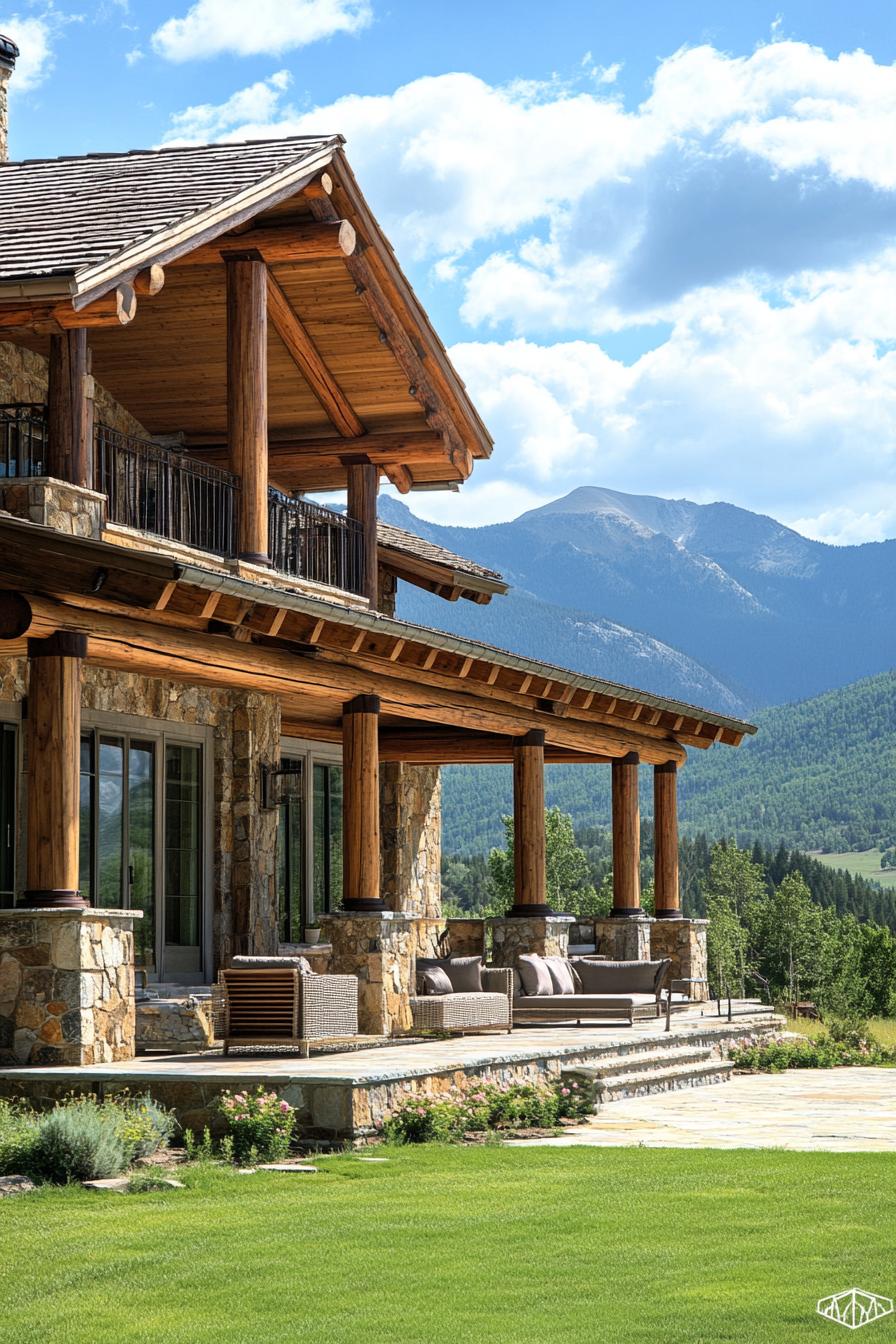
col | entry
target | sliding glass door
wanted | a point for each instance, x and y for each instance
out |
(142, 843)
(8, 772)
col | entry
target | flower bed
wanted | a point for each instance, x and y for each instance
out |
(82, 1139)
(490, 1109)
(837, 1046)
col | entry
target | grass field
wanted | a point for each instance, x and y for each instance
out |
(882, 1028)
(459, 1246)
(861, 863)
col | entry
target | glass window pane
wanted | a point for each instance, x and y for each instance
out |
(141, 848)
(327, 833)
(291, 869)
(85, 849)
(7, 814)
(183, 857)
(110, 797)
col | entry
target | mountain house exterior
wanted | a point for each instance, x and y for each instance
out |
(214, 732)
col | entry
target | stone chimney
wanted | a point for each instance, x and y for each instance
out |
(8, 53)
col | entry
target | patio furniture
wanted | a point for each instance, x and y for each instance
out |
(462, 1010)
(601, 989)
(674, 999)
(281, 1001)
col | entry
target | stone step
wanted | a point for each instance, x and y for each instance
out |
(671, 1079)
(642, 1061)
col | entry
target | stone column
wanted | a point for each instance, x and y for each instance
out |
(683, 941)
(665, 840)
(8, 53)
(53, 784)
(516, 935)
(253, 872)
(361, 805)
(530, 875)
(411, 838)
(626, 939)
(377, 949)
(67, 986)
(626, 838)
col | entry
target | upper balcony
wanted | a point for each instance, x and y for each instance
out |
(172, 496)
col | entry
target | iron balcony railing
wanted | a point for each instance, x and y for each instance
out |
(154, 489)
(312, 542)
(23, 439)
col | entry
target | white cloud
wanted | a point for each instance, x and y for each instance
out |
(494, 501)
(266, 27)
(213, 121)
(845, 526)
(133, 56)
(33, 36)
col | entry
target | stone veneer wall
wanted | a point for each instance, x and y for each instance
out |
(66, 987)
(23, 377)
(246, 733)
(411, 838)
(378, 949)
(4, 113)
(684, 942)
(624, 939)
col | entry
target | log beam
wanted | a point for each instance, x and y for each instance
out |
(529, 857)
(363, 484)
(69, 456)
(327, 241)
(150, 282)
(247, 400)
(53, 783)
(454, 747)
(626, 838)
(310, 363)
(665, 839)
(115, 309)
(361, 805)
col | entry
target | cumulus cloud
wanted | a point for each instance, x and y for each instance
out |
(204, 122)
(34, 38)
(211, 27)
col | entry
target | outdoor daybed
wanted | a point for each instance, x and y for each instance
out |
(460, 995)
(281, 1001)
(560, 989)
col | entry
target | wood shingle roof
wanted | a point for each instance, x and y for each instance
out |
(66, 217)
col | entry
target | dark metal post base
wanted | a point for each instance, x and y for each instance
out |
(54, 900)
(357, 905)
(668, 914)
(628, 912)
(530, 912)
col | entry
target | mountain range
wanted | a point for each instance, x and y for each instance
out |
(707, 603)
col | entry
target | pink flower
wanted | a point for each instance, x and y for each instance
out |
(421, 1111)
(284, 1107)
(564, 1091)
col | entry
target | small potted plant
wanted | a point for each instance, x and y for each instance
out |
(312, 933)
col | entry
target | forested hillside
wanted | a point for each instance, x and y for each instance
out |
(819, 775)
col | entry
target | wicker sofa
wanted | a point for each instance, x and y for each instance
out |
(589, 989)
(463, 1011)
(281, 1001)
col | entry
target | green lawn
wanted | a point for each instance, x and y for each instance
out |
(861, 863)
(459, 1246)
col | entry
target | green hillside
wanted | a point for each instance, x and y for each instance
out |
(820, 774)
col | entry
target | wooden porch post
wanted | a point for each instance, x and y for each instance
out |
(361, 805)
(665, 840)
(247, 400)
(363, 485)
(530, 879)
(626, 838)
(69, 447)
(53, 785)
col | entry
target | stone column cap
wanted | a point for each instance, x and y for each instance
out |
(70, 912)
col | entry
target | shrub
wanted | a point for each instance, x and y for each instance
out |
(143, 1125)
(841, 1044)
(78, 1141)
(491, 1108)
(18, 1127)
(259, 1123)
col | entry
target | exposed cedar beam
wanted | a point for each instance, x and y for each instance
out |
(277, 620)
(358, 641)
(115, 309)
(465, 668)
(211, 605)
(311, 364)
(526, 683)
(493, 675)
(165, 595)
(290, 242)
(430, 659)
(149, 282)
(319, 189)
(396, 651)
(316, 632)
(454, 747)
(587, 702)
(400, 477)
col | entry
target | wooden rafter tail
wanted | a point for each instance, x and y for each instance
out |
(150, 282)
(319, 240)
(399, 476)
(115, 309)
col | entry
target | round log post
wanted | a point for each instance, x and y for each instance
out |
(53, 784)
(69, 455)
(626, 838)
(247, 400)
(363, 484)
(665, 840)
(361, 805)
(529, 859)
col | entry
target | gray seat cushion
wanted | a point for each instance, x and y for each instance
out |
(618, 977)
(272, 964)
(584, 1003)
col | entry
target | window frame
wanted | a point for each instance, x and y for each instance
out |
(11, 716)
(311, 753)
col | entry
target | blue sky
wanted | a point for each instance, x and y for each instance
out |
(658, 238)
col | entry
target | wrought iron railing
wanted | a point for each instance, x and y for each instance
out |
(312, 542)
(23, 439)
(157, 490)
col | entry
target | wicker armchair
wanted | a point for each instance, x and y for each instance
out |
(267, 1003)
(462, 1014)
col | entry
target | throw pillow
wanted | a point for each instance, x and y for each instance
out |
(561, 975)
(465, 974)
(535, 975)
(435, 981)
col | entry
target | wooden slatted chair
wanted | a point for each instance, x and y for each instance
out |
(270, 1004)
